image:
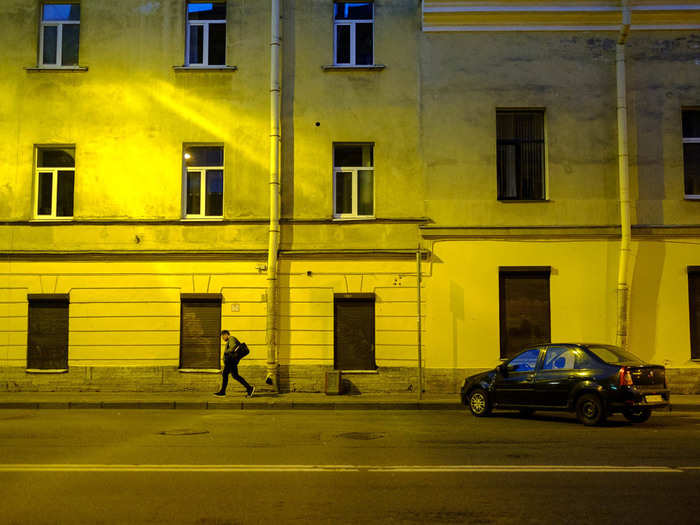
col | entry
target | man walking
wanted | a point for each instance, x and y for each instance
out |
(233, 353)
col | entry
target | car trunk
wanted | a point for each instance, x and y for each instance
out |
(649, 375)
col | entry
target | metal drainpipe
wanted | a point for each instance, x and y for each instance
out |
(274, 231)
(624, 180)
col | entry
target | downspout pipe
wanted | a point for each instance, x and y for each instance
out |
(623, 288)
(275, 206)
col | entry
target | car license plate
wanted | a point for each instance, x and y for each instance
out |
(653, 399)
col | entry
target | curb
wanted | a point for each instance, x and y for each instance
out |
(237, 405)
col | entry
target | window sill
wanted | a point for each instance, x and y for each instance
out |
(367, 218)
(334, 67)
(511, 201)
(358, 372)
(206, 68)
(52, 219)
(46, 370)
(199, 370)
(202, 219)
(46, 69)
(692, 197)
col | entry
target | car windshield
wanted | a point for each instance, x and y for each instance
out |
(613, 354)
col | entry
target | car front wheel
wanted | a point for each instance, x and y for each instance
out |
(639, 415)
(590, 410)
(479, 402)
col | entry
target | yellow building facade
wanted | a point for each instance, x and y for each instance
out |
(394, 150)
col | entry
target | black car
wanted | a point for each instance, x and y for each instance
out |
(593, 380)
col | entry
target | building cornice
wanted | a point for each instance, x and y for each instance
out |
(555, 15)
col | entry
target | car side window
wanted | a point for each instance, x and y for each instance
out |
(584, 361)
(524, 362)
(559, 358)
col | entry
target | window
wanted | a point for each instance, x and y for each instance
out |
(524, 308)
(200, 329)
(55, 178)
(204, 181)
(353, 180)
(354, 332)
(353, 33)
(559, 358)
(206, 34)
(47, 339)
(691, 152)
(59, 35)
(520, 154)
(525, 362)
(694, 303)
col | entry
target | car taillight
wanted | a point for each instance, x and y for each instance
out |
(625, 377)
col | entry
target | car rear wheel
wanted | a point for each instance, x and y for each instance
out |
(590, 410)
(639, 415)
(479, 402)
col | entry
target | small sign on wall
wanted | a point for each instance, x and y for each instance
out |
(235, 307)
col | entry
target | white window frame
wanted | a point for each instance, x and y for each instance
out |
(59, 39)
(205, 37)
(202, 170)
(353, 40)
(54, 187)
(690, 140)
(355, 185)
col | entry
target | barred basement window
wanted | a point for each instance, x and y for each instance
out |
(59, 35)
(524, 308)
(353, 180)
(691, 152)
(353, 33)
(47, 339)
(206, 34)
(55, 180)
(200, 329)
(694, 303)
(520, 151)
(204, 182)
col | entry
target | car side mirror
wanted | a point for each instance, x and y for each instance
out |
(503, 369)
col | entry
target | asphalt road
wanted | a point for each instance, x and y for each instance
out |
(322, 466)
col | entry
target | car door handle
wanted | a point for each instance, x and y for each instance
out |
(573, 377)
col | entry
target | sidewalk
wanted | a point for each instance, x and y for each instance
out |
(261, 401)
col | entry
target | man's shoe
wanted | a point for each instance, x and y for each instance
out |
(219, 393)
(251, 391)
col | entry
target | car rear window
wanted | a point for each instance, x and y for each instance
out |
(613, 354)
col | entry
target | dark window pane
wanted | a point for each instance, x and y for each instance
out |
(193, 193)
(69, 47)
(206, 11)
(691, 166)
(343, 193)
(520, 155)
(363, 40)
(353, 10)
(215, 193)
(204, 156)
(64, 193)
(61, 12)
(196, 45)
(56, 158)
(342, 45)
(45, 187)
(353, 156)
(49, 51)
(365, 192)
(691, 123)
(217, 44)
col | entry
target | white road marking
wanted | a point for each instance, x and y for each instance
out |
(339, 468)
